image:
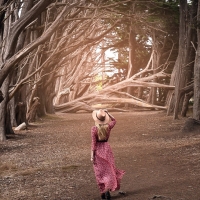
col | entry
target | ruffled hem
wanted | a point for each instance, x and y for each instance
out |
(107, 176)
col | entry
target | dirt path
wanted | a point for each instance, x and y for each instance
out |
(52, 159)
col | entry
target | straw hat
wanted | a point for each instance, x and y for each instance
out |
(100, 116)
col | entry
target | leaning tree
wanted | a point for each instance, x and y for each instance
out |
(12, 25)
(17, 53)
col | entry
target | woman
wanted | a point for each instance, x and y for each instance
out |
(107, 175)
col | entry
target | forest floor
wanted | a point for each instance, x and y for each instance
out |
(51, 160)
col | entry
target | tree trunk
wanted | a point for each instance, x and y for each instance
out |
(155, 64)
(196, 106)
(131, 65)
(19, 106)
(182, 72)
(154, 93)
(140, 90)
(186, 103)
(3, 111)
(32, 113)
(41, 109)
(4, 116)
(1, 96)
(50, 93)
(20, 112)
(8, 125)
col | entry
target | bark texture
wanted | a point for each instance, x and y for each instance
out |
(196, 106)
(183, 68)
(32, 112)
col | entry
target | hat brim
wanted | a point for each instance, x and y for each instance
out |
(107, 118)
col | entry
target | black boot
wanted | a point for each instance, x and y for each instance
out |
(107, 194)
(103, 196)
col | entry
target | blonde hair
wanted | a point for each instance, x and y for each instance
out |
(102, 131)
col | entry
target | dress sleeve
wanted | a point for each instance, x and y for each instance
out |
(112, 123)
(94, 139)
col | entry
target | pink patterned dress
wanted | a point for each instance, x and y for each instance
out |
(107, 175)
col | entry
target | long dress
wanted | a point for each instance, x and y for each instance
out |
(108, 177)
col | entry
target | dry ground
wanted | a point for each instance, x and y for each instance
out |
(51, 160)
